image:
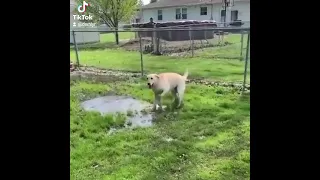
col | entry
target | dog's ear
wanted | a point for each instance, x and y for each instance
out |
(157, 76)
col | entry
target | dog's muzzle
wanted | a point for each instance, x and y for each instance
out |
(150, 85)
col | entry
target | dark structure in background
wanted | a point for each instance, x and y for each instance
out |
(175, 35)
(179, 35)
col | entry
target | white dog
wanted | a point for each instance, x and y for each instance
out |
(165, 82)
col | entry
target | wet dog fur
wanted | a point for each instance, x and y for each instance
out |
(165, 82)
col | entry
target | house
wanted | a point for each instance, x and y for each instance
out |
(137, 17)
(81, 37)
(178, 10)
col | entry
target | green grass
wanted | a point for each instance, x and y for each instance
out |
(210, 137)
(226, 52)
(110, 37)
(216, 63)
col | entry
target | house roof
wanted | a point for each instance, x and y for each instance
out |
(173, 3)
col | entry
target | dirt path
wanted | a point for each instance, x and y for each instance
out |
(105, 75)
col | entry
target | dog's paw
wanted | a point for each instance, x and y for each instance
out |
(179, 106)
(160, 109)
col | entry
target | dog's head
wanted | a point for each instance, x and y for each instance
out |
(152, 79)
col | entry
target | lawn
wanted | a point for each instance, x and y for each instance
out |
(217, 63)
(110, 37)
(210, 136)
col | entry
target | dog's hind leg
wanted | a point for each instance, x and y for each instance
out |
(174, 94)
(180, 93)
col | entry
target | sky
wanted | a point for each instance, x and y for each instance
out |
(146, 2)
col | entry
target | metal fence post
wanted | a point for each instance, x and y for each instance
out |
(205, 34)
(141, 56)
(154, 38)
(75, 48)
(241, 48)
(191, 40)
(192, 43)
(190, 37)
(246, 62)
(222, 37)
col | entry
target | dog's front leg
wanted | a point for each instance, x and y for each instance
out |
(154, 108)
(157, 101)
(160, 104)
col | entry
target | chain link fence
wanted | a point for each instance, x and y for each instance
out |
(212, 54)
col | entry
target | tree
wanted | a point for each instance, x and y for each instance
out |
(140, 3)
(111, 12)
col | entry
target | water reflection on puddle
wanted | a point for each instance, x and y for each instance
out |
(122, 104)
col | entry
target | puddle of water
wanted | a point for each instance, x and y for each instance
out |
(121, 104)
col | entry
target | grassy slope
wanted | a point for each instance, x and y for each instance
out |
(211, 138)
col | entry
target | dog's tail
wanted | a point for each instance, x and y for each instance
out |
(185, 75)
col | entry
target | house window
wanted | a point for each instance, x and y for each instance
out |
(222, 15)
(178, 13)
(160, 15)
(184, 13)
(181, 13)
(203, 11)
(234, 15)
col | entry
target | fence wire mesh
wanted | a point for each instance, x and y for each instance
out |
(215, 55)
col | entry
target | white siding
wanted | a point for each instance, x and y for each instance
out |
(243, 12)
(193, 13)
